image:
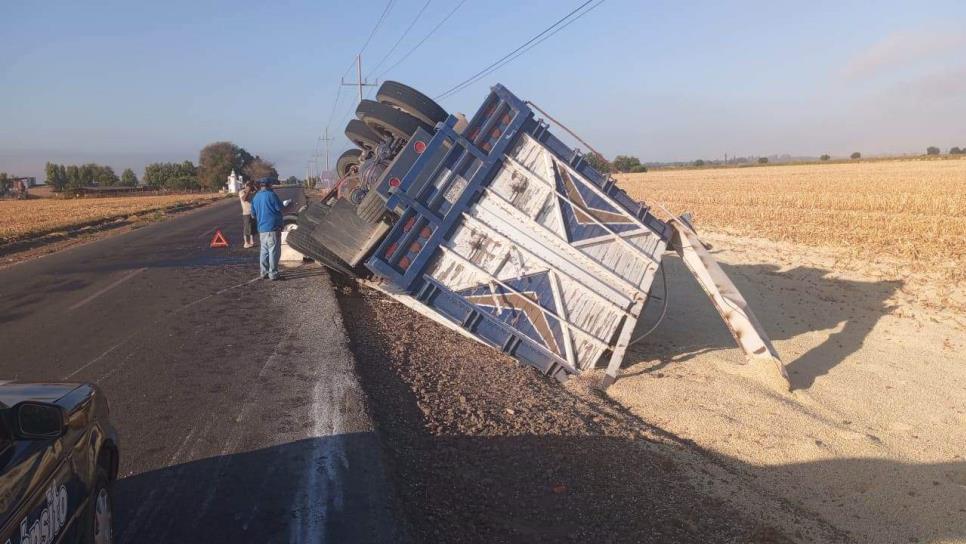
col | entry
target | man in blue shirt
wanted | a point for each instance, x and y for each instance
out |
(267, 211)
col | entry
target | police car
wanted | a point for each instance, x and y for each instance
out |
(58, 457)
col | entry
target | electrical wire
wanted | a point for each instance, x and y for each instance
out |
(526, 46)
(378, 23)
(423, 40)
(404, 34)
(515, 56)
(566, 128)
(338, 94)
(663, 311)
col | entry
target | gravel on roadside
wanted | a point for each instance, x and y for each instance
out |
(482, 449)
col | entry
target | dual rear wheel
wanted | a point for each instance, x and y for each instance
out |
(397, 112)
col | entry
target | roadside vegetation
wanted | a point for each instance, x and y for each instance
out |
(26, 219)
(215, 162)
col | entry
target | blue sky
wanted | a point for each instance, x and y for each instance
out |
(125, 83)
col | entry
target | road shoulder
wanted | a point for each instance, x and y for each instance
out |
(482, 449)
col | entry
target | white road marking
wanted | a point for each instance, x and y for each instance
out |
(251, 401)
(108, 288)
(155, 322)
(95, 359)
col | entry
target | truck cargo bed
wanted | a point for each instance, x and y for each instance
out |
(510, 235)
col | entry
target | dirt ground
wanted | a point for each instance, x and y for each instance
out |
(690, 445)
(873, 436)
(482, 449)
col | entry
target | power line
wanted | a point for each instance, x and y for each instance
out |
(360, 83)
(338, 94)
(423, 40)
(526, 46)
(404, 34)
(348, 112)
(375, 28)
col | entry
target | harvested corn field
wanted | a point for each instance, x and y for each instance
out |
(913, 211)
(23, 219)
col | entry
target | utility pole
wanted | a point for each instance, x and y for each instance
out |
(360, 83)
(326, 139)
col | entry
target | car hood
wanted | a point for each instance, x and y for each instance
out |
(11, 392)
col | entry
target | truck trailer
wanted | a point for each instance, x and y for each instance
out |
(495, 228)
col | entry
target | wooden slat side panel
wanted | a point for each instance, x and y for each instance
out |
(495, 255)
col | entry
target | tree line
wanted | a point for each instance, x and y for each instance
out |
(73, 177)
(955, 150)
(621, 163)
(215, 163)
(630, 164)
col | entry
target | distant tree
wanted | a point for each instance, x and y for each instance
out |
(825, 157)
(598, 162)
(216, 162)
(292, 180)
(955, 151)
(154, 175)
(5, 182)
(182, 183)
(699, 162)
(932, 150)
(242, 159)
(56, 176)
(626, 163)
(74, 179)
(260, 168)
(171, 175)
(762, 160)
(855, 155)
(312, 182)
(87, 172)
(128, 179)
(105, 176)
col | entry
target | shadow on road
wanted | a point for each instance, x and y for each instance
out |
(789, 303)
(574, 488)
(312, 490)
(16, 305)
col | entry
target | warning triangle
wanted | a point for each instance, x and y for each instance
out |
(218, 240)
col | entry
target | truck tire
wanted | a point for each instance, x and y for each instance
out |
(372, 207)
(304, 244)
(346, 161)
(412, 102)
(360, 134)
(386, 120)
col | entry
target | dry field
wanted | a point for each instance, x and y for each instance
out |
(911, 212)
(856, 272)
(22, 219)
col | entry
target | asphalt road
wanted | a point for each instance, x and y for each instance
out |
(238, 410)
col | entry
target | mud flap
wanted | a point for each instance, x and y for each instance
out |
(744, 326)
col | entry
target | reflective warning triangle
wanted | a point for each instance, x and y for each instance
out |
(218, 240)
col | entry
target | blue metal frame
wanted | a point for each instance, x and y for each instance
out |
(423, 205)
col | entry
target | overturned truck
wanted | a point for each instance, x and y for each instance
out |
(497, 229)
